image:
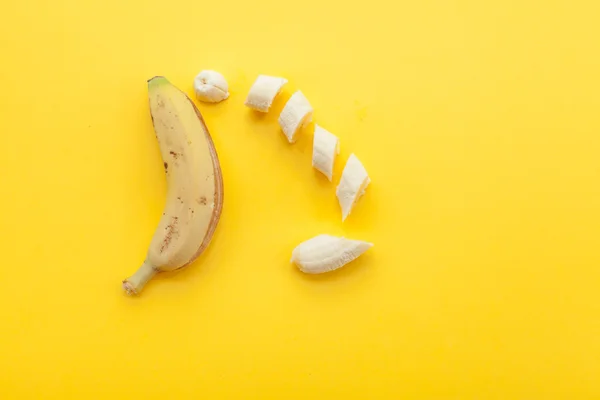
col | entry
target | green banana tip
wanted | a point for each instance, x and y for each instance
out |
(158, 79)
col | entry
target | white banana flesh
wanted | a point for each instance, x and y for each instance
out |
(194, 184)
(352, 186)
(325, 253)
(325, 147)
(263, 92)
(211, 87)
(296, 113)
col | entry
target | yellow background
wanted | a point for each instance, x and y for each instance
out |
(477, 121)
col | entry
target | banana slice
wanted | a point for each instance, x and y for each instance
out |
(263, 92)
(211, 87)
(325, 147)
(325, 253)
(295, 115)
(353, 184)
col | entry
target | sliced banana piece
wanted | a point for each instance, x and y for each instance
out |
(353, 184)
(263, 92)
(325, 253)
(211, 87)
(325, 147)
(295, 115)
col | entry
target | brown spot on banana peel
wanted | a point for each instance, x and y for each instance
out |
(172, 232)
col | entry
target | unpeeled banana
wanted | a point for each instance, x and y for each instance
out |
(194, 184)
(324, 253)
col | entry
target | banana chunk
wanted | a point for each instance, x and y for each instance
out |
(352, 186)
(325, 253)
(325, 147)
(295, 115)
(211, 87)
(263, 92)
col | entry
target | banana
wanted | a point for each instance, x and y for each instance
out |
(194, 184)
(211, 87)
(296, 113)
(325, 147)
(353, 184)
(263, 92)
(325, 253)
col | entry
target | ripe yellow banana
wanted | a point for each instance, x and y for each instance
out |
(194, 184)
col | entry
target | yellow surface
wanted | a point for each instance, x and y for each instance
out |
(477, 121)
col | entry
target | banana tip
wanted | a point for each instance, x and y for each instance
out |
(129, 289)
(157, 79)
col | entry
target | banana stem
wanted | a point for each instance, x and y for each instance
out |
(134, 284)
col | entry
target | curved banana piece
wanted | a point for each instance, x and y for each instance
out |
(325, 147)
(211, 87)
(325, 253)
(295, 115)
(194, 184)
(353, 184)
(263, 92)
